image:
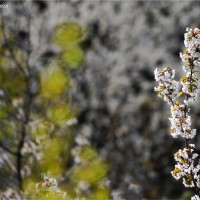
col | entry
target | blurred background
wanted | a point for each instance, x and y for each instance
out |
(113, 89)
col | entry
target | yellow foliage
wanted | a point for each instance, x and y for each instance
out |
(100, 194)
(91, 172)
(73, 56)
(87, 153)
(50, 195)
(60, 113)
(29, 185)
(53, 82)
(68, 32)
(53, 161)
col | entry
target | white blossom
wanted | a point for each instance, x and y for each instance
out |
(167, 88)
(187, 165)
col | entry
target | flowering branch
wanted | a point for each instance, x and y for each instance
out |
(188, 162)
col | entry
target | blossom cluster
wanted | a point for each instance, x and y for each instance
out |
(191, 58)
(181, 121)
(50, 184)
(167, 88)
(188, 163)
(186, 167)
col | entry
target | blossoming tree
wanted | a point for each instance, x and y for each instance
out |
(178, 95)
